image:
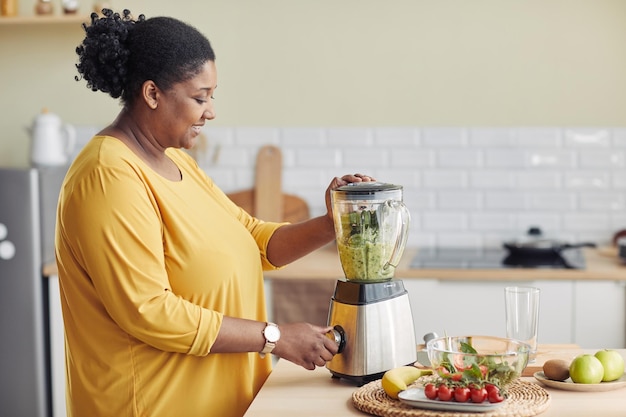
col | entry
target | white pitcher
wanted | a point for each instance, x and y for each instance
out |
(52, 141)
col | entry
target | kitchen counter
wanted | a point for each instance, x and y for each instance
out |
(601, 264)
(293, 391)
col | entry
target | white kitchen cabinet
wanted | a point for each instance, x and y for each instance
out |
(456, 307)
(477, 307)
(600, 314)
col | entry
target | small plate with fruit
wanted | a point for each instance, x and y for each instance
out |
(569, 385)
(603, 371)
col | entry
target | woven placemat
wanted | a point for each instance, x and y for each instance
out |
(525, 399)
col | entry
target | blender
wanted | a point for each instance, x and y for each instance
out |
(370, 310)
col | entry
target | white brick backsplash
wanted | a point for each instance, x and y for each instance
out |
(550, 159)
(405, 137)
(587, 179)
(455, 200)
(236, 157)
(398, 175)
(504, 158)
(444, 221)
(363, 158)
(350, 137)
(617, 221)
(320, 157)
(438, 137)
(549, 222)
(491, 137)
(619, 180)
(605, 202)
(416, 199)
(492, 221)
(530, 137)
(538, 180)
(454, 158)
(459, 240)
(619, 138)
(589, 137)
(585, 221)
(219, 135)
(303, 137)
(444, 179)
(464, 186)
(505, 200)
(602, 159)
(416, 158)
(256, 136)
(492, 179)
(557, 201)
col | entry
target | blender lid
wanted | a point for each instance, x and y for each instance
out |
(364, 189)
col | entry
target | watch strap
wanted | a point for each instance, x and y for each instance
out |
(269, 345)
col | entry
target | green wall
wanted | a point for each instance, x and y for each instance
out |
(354, 63)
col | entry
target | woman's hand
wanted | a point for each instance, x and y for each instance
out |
(340, 182)
(305, 344)
(292, 241)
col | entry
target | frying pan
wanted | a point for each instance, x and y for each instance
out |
(534, 244)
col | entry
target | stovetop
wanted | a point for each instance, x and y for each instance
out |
(493, 258)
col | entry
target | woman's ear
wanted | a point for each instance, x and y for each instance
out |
(150, 94)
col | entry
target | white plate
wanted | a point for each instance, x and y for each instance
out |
(415, 397)
(571, 386)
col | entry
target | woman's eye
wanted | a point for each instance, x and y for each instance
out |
(200, 101)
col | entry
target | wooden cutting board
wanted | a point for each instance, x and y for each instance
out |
(266, 200)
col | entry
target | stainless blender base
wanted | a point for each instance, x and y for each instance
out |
(377, 330)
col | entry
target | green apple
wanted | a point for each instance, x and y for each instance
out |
(613, 364)
(586, 369)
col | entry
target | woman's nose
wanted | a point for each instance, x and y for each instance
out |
(209, 113)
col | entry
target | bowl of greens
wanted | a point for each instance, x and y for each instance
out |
(477, 360)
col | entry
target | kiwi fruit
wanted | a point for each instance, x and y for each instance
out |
(556, 369)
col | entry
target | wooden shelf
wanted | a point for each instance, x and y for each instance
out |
(44, 19)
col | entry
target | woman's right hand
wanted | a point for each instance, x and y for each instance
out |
(305, 344)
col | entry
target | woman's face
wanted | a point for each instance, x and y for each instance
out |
(183, 109)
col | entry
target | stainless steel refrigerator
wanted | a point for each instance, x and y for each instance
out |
(28, 198)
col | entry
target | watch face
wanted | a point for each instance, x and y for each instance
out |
(272, 334)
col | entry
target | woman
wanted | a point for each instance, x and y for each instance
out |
(161, 274)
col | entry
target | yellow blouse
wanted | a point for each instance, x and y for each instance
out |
(147, 268)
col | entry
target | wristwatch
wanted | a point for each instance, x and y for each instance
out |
(271, 334)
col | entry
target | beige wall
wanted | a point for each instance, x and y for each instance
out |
(355, 63)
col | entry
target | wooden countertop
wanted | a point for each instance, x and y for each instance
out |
(601, 264)
(293, 391)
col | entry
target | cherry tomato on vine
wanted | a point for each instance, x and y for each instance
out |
(491, 387)
(430, 390)
(495, 396)
(478, 394)
(444, 393)
(462, 394)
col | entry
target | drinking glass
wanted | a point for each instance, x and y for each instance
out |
(522, 315)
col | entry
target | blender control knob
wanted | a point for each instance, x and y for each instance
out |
(339, 336)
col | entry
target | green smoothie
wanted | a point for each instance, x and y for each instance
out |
(364, 256)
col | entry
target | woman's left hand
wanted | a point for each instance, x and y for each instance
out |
(340, 182)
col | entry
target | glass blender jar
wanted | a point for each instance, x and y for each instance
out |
(370, 312)
(371, 226)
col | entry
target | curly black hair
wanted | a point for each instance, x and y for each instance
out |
(120, 53)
